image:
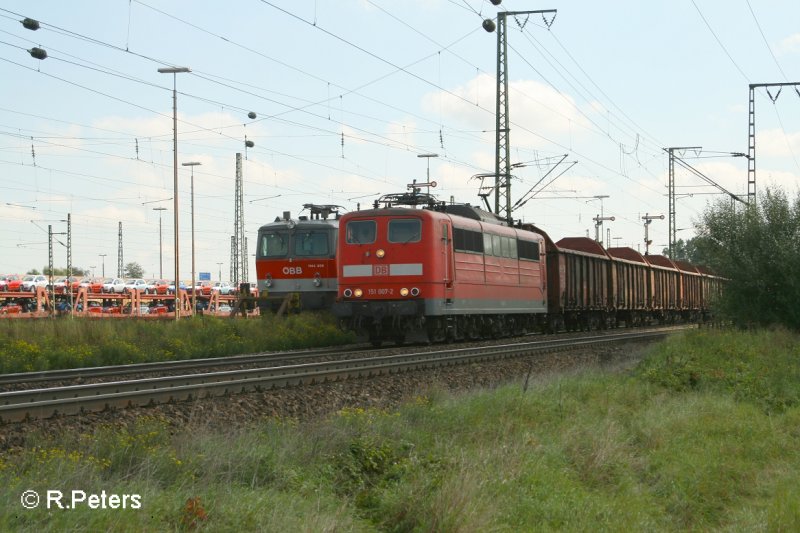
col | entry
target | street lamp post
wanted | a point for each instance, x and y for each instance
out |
(160, 247)
(103, 259)
(194, 297)
(175, 71)
(220, 271)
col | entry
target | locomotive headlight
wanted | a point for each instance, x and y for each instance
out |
(403, 292)
(347, 293)
(414, 291)
(268, 283)
(380, 253)
(357, 293)
(317, 281)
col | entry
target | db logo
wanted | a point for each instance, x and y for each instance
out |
(293, 271)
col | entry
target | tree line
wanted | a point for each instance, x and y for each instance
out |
(757, 249)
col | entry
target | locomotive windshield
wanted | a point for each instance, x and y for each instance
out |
(273, 244)
(361, 232)
(311, 243)
(404, 230)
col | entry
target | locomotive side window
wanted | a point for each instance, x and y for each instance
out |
(273, 244)
(361, 231)
(487, 244)
(528, 250)
(405, 230)
(310, 243)
(465, 240)
(497, 244)
(511, 247)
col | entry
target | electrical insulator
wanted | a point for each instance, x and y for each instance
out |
(251, 115)
(30, 24)
(38, 53)
(488, 25)
(496, 2)
(249, 144)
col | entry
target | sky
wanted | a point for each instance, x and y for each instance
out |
(348, 94)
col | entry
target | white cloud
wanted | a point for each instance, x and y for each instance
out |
(787, 181)
(789, 45)
(537, 110)
(777, 143)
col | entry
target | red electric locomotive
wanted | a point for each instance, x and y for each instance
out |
(445, 271)
(453, 271)
(296, 259)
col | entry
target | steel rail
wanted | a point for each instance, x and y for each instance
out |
(75, 399)
(45, 376)
(161, 366)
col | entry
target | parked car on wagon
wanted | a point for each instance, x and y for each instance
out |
(86, 283)
(63, 285)
(76, 284)
(32, 281)
(202, 288)
(14, 282)
(223, 287)
(95, 285)
(136, 284)
(115, 285)
(171, 287)
(158, 308)
(161, 286)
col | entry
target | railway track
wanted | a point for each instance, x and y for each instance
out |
(16, 406)
(51, 376)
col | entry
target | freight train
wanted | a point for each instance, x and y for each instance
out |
(417, 269)
(296, 259)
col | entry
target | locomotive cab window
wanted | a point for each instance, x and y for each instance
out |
(311, 243)
(405, 230)
(273, 244)
(361, 231)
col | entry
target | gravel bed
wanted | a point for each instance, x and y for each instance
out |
(302, 403)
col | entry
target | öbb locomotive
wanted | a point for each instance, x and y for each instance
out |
(296, 259)
(455, 271)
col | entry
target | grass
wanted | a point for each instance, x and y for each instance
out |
(653, 450)
(32, 345)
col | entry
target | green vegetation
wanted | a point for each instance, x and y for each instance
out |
(703, 436)
(757, 248)
(30, 345)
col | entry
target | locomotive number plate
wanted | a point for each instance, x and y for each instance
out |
(380, 292)
(380, 270)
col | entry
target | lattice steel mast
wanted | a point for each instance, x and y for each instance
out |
(502, 166)
(239, 238)
(751, 133)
